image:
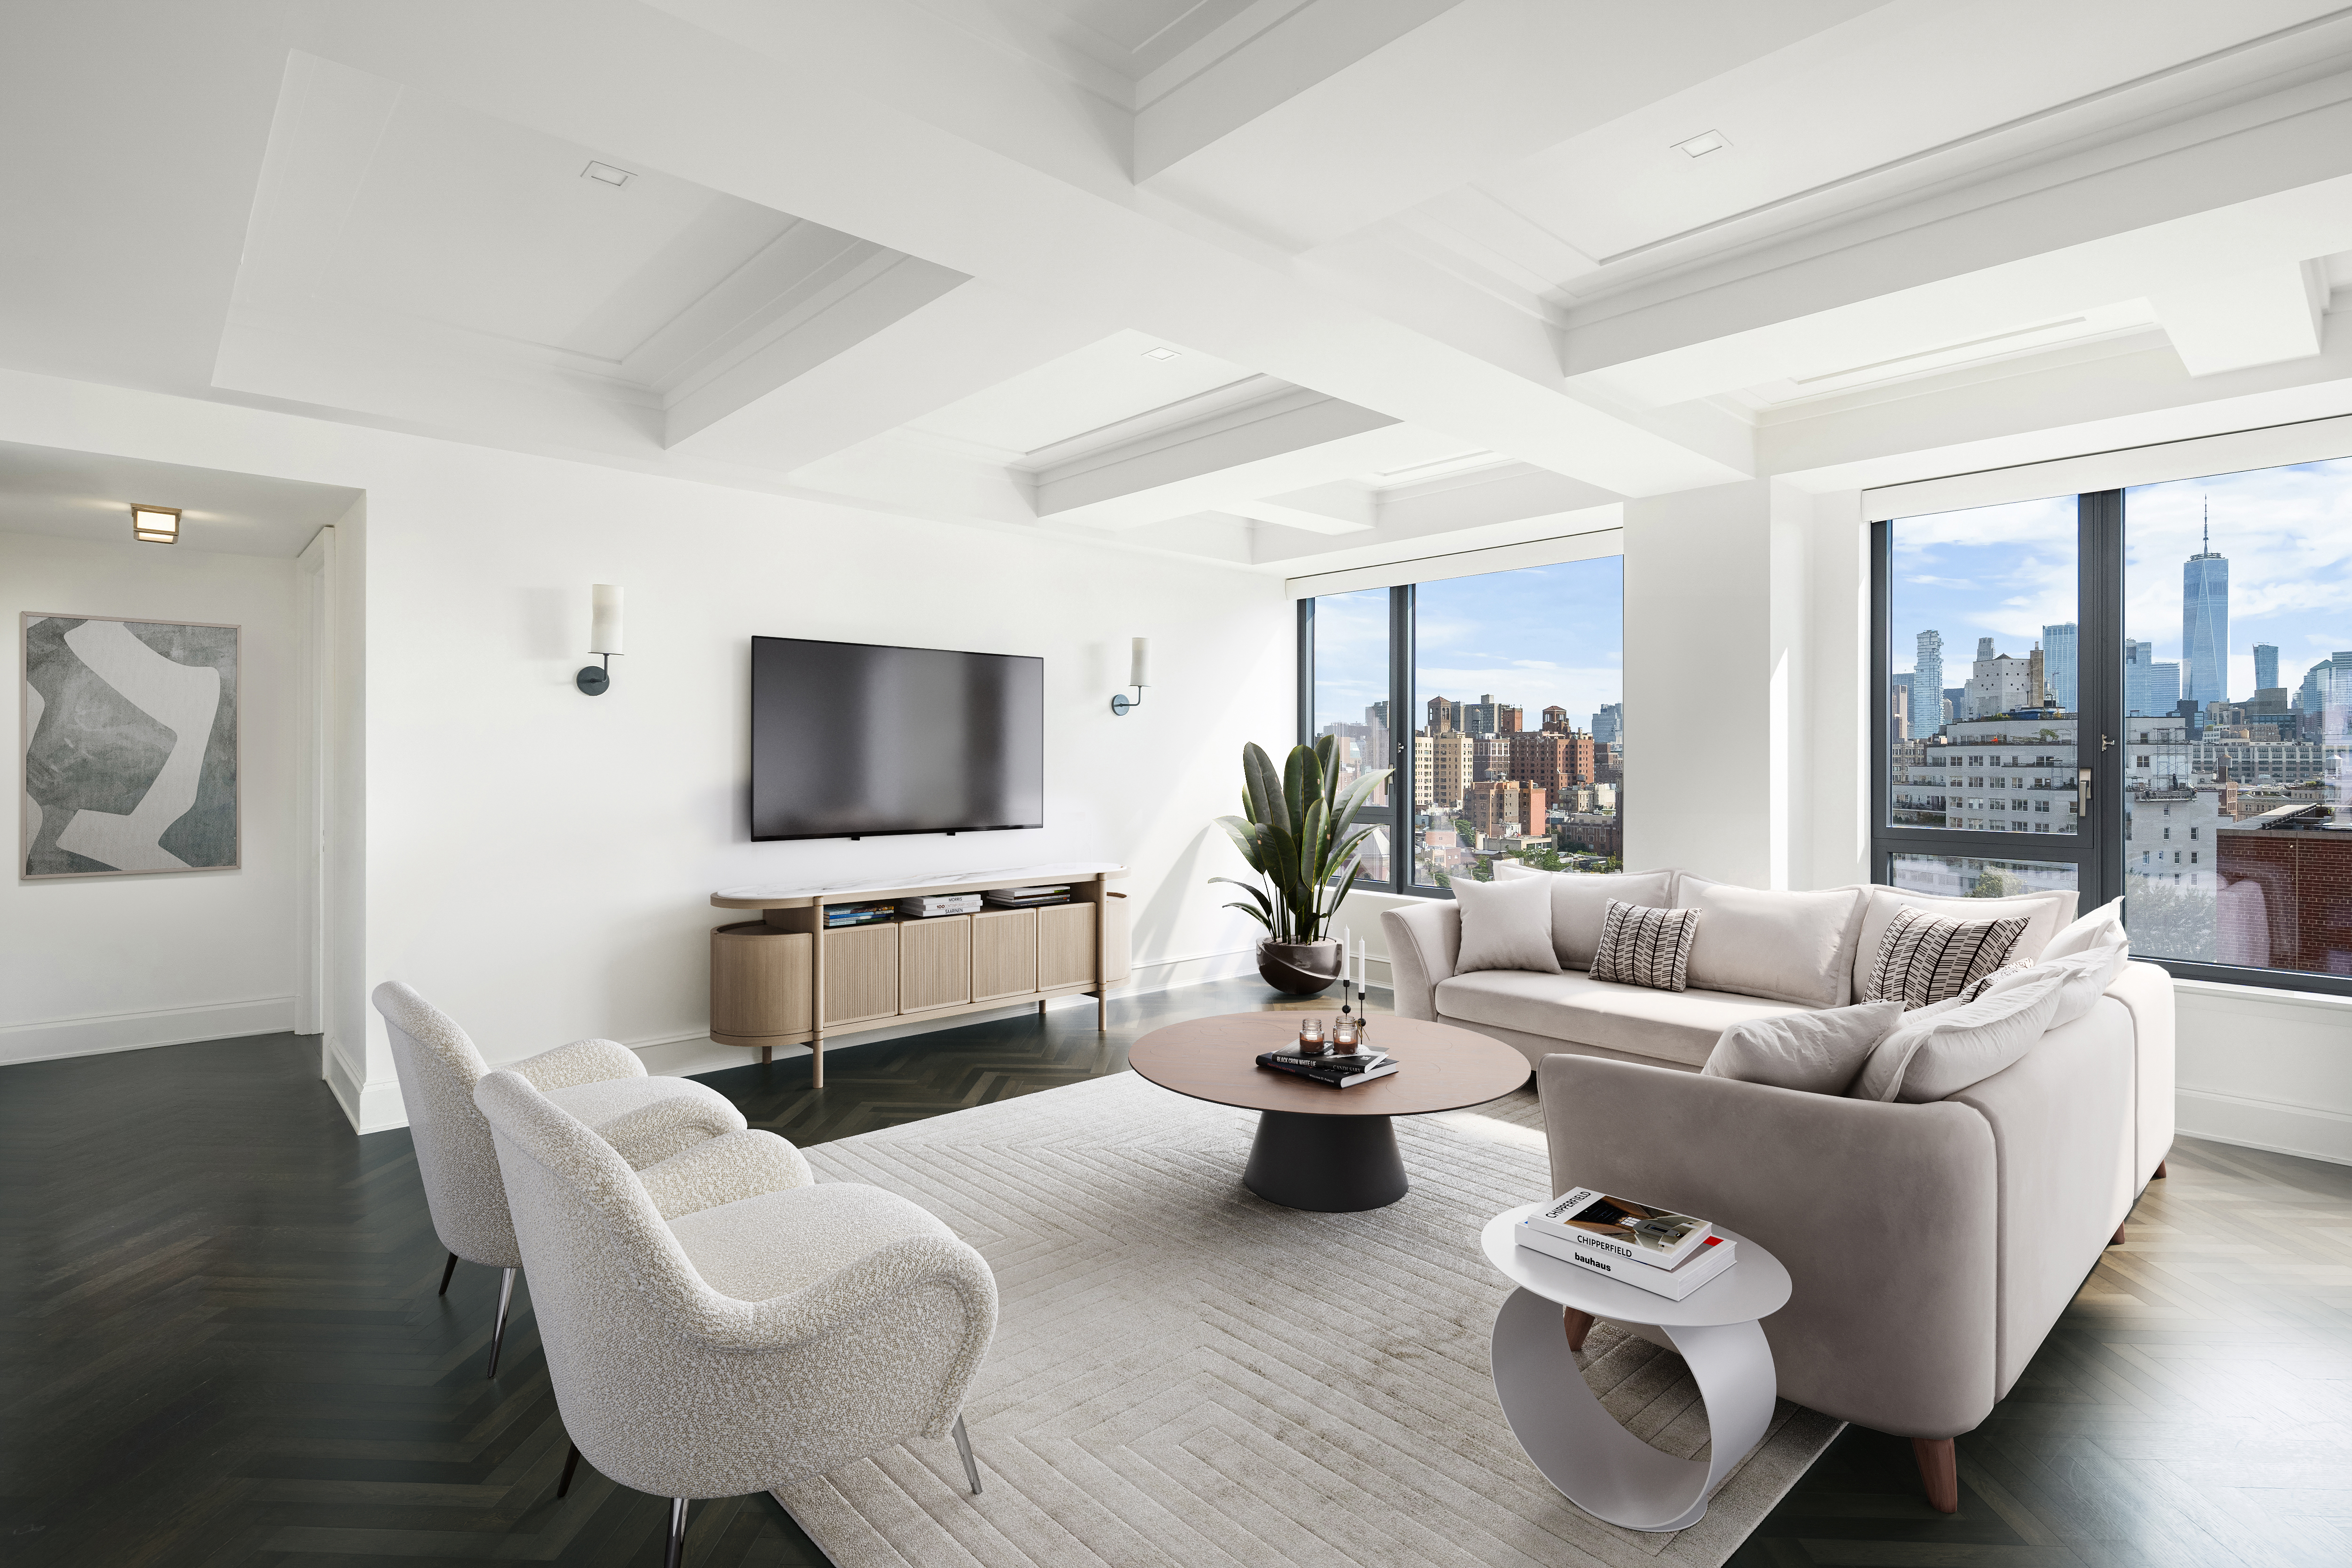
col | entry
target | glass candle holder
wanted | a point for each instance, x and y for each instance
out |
(1311, 1042)
(1344, 1036)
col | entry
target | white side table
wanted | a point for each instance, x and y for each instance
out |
(1578, 1446)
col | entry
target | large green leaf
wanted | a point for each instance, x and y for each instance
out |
(1244, 838)
(1257, 893)
(1265, 787)
(1326, 757)
(1257, 915)
(1314, 843)
(1294, 785)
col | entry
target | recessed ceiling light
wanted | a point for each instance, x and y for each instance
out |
(1161, 353)
(606, 174)
(155, 524)
(1700, 145)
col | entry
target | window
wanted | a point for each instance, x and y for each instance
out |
(1499, 700)
(2188, 634)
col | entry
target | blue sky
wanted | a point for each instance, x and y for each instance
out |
(2004, 572)
(1535, 636)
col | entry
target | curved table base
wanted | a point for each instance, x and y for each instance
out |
(1597, 1464)
(1332, 1164)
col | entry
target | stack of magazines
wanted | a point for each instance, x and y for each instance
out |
(1667, 1254)
(837, 915)
(1339, 1072)
(1027, 898)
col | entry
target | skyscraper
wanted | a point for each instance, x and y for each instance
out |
(2058, 665)
(2205, 626)
(2151, 689)
(2265, 667)
(1927, 687)
(1609, 724)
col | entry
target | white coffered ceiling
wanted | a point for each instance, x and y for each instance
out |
(1276, 281)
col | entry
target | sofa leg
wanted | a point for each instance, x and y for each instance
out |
(2118, 1241)
(1940, 1472)
(1578, 1324)
(2159, 1172)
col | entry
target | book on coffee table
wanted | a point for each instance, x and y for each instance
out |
(1339, 1073)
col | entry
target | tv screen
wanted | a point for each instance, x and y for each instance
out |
(850, 739)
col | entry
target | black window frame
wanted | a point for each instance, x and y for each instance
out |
(1397, 814)
(2098, 856)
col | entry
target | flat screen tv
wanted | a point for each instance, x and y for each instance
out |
(851, 739)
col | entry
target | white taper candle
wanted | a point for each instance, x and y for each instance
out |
(604, 619)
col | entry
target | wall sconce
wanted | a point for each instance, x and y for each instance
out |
(155, 524)
(1138, 674)
(604, 638)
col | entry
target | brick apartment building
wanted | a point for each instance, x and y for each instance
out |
(2286, 890)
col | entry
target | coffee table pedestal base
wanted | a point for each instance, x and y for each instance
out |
(1332, 1164)
(1597, 1464)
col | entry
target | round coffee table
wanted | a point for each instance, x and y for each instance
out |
(1329, 1149)
(1578, 1446)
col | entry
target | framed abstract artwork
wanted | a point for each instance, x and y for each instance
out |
(130, 734)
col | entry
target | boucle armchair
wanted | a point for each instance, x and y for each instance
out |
(720, 1323)
(600, 1082)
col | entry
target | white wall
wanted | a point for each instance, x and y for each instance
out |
(113, 962)
(538, 862)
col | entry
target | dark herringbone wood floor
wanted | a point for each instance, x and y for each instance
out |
(223, 1344)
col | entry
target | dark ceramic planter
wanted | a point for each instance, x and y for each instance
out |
(1300, 968)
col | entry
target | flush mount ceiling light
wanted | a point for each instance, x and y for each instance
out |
(1700, 145)
(604, 173)
(1161, 353)
(155, 524)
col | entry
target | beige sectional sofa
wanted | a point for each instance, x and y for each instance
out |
(1932, 1246)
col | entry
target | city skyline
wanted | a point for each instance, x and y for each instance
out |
(2008, 571)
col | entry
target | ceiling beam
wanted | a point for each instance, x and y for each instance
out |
(723, 114)
(2246, 319)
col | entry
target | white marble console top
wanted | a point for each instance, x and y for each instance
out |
(1008, 877)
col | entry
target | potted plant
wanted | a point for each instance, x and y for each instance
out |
(1295, 831)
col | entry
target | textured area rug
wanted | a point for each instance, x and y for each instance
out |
(1184, 1375)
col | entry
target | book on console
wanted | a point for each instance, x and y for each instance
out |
(1338, 1077)
(1621, 1228)
(1704, 1262)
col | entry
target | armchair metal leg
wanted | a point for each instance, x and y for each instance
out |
(446, 1269)
(570, 1463)
(498, 1334)
(963, 1448)
(676, 1556)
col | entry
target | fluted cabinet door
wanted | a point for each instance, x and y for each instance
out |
(1003, 953)
(1065, 945)
(934, 962)
(861, 973)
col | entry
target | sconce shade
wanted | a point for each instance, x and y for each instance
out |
(155, 524)
(1140, 663)
(604, 620)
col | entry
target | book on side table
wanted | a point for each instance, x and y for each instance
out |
(1651, 1248)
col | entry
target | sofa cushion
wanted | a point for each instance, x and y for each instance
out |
(2045, 912)
(1782, 946)
(1505, 925)
(2085, 977)
(1648, 947)
(1679, 1027)
(1946, 1048)
(1581, 899)
(1925, 958)
(2094, 929)
(1818, 1053)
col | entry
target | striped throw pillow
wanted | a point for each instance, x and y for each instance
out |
(1926, 957)
(1643, 946)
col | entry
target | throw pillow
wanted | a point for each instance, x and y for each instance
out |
(1505, 925)
(1940, 1051)
(1580, 899)
(1782, 946)
(2093, 930)
(1819, 1053)
(1649, 947)
(2085, 977)
(1926, 958)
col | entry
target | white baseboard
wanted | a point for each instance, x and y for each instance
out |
(55, 1039)
(2313, 1133)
